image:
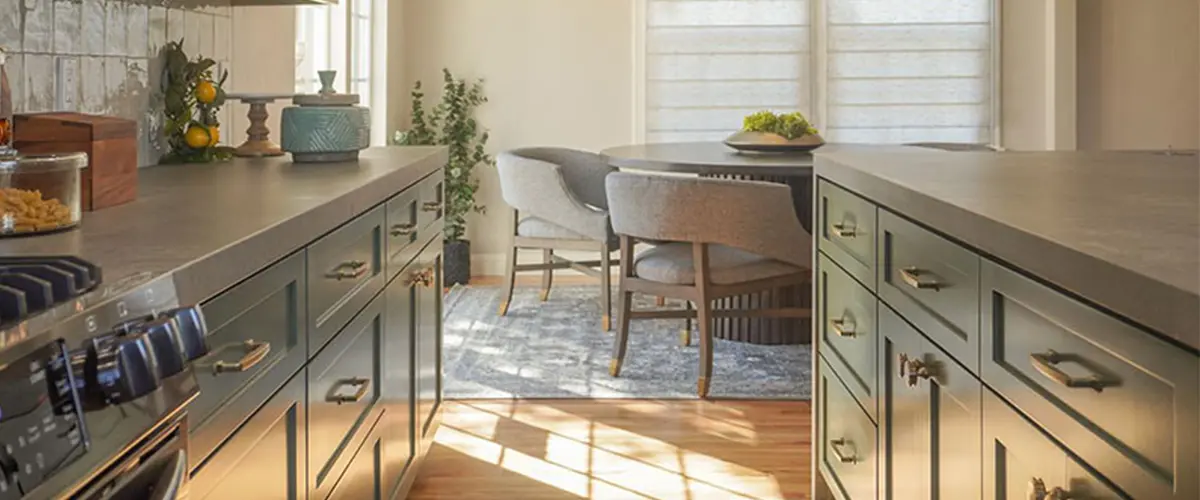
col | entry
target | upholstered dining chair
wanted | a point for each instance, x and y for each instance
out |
(559, 203)
(719, 238)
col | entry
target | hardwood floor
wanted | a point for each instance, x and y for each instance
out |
(618, 449)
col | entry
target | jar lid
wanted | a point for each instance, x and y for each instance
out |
(325, 99)
(23, 163)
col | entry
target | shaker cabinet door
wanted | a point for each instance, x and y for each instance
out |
(265, 459)
(398, 378)
(930, 419)
(429, 338)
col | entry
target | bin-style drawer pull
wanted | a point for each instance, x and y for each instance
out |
(1047, 363)
(843, 230)
(253, 352)
(835, 447)
(913, 277)
(432, 206)
(350, 270)
(843, 327)
(363, 384)
(406, 229)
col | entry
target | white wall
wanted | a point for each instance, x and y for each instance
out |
(558, 73)
(263, 60)
(1139, 74)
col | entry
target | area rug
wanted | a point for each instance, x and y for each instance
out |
(557, 349)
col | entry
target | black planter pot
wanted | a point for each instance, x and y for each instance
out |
(457, 263)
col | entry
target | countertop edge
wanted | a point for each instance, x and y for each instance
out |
(205, 277)
(1140, 298)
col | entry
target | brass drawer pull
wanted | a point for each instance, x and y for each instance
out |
(843, 230)
(913, 370)
(1038, 491)
(364, 385)
(253, 352)
(351, 270)
(843, 327)
(912, 276)
(432, 206)
(1047, 364)
(406, 229)
(835, 447)
(423, 277)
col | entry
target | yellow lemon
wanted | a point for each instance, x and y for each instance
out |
(197, 137)
(206, 92)
(214, 133)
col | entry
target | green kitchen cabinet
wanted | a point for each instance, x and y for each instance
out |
(929, 418)
(428, 348)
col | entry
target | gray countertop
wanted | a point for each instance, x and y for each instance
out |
(1120, 229)
(211, 225)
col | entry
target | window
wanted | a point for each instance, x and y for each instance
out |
(886, 71)
(350, 38)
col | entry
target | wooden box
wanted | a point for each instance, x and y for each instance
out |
(111, 144)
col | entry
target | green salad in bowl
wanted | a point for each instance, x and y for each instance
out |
(766, 131)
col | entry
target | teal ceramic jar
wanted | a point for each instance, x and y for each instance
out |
(325, 127)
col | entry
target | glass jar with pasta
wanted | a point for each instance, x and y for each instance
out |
(40, 193)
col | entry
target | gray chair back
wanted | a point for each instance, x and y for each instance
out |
(758, 217)
(582, 171)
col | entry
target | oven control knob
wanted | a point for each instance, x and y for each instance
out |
(129, 325)
(121, 368)
(190, 322)
(8, 466)
(163, 336)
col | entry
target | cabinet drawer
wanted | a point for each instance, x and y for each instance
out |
(847, 449)
(431, 195)
(363, 476)
(847, 227)
(403, 234)
(343, 389)
(933, 283)
(1115, 395)
(345, 270)
(1021, 463)
(257, 341)
(847, 326)
(265, 459)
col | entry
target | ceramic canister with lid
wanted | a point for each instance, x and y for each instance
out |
(326, 126)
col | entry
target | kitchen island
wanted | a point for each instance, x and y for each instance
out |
(1007, 325)
(320, 286)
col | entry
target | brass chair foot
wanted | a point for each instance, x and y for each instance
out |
(545, 295)
(606, 323)
(685, 337)
(614, 368)
(503, 310)
(703, 388)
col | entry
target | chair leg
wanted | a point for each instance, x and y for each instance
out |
(548, 274)
(685, 336)
(605, 288)
(620, 342)
(510, 277)
(704, 318)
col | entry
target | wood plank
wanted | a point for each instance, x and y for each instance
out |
(616, 449)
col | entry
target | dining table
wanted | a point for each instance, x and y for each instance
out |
(715, 159)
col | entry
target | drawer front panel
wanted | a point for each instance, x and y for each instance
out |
(265, 459)
(343, 389)
(402, 230)
(1021, 463)
(257, 342)
(345, 270)
(929, 420)
(847, 326)
(933, 283)
(847, 448)
(431, 192)
(363, 476)
(1115, 395)
(846, 227)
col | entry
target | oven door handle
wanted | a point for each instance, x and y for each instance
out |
(162, 478)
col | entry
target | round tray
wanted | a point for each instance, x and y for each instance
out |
(759, 142)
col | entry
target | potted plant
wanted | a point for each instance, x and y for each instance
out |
(452, 123)
(766, 131)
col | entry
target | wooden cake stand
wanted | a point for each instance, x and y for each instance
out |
(258, 137)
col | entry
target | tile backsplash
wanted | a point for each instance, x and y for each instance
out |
(102, 56)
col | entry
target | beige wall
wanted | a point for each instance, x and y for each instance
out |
(558, 73)
(1139, 74)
